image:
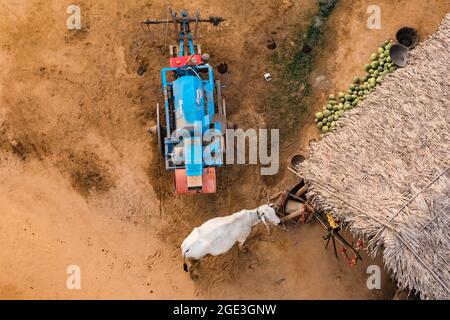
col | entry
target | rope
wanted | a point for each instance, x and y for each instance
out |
(415, 196)
(429, 221)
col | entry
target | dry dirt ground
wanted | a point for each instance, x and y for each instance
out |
(82, 184)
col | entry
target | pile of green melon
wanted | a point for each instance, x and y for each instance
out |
(381, 64)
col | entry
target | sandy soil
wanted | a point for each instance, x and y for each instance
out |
(82, 183)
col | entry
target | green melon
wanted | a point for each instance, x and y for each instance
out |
(319, 115)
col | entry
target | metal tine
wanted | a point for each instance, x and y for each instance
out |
(334, 244)
(328, 241)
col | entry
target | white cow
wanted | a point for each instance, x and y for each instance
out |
(218, 235)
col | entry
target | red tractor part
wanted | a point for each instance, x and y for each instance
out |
(195, 60)
(208, 182)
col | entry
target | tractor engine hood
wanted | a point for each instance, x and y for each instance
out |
(189, 101)
(190, 112)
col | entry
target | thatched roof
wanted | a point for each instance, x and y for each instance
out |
(386, 169)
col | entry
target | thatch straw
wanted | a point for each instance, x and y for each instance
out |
(385, 170)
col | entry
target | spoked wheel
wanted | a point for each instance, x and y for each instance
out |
(157, 130)
(220, 116)
(158, 127)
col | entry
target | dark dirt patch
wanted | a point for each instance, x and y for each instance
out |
(271, 44)
(88, 173)
(20, 150)
(142, 69)
(76, 35)
(24, 146)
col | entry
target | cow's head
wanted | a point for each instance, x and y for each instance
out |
(267, 213)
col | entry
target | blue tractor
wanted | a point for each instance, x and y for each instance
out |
(192, 136)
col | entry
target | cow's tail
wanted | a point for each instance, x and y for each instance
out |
(185, 266)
